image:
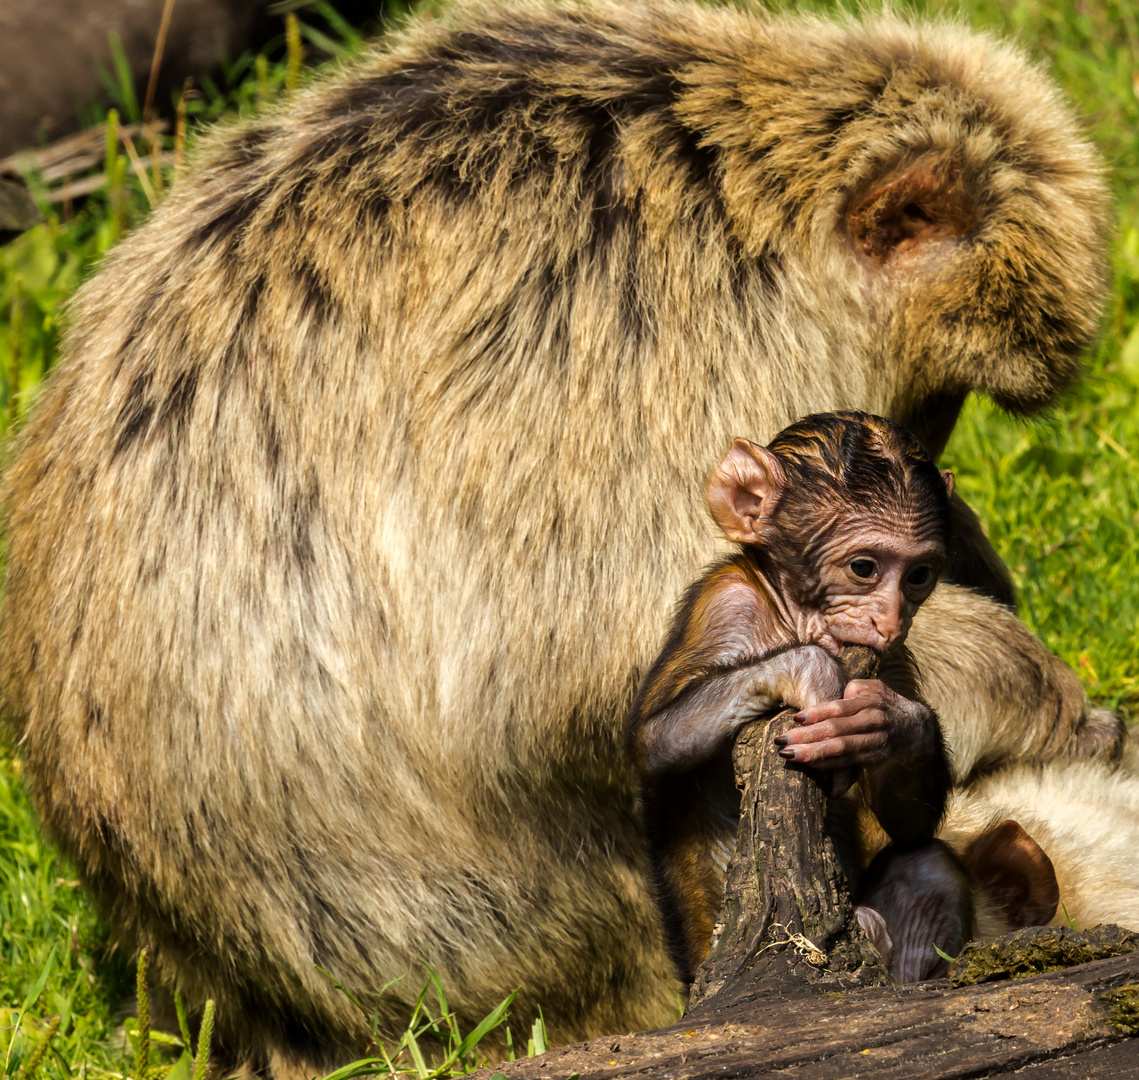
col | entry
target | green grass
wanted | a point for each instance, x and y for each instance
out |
(432, 1046)
(46, 923)
(1060, 497)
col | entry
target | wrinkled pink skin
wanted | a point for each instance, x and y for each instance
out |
(844, 726)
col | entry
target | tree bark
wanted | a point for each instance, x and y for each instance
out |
(788, 911)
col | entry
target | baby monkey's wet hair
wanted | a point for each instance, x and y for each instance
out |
(842, 458)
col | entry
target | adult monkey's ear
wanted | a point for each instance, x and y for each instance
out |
(743, 491)
(950, 482)
(908, 209)
(1016, 871)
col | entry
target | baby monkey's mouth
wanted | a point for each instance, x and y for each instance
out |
(836, 641)
(832, 644)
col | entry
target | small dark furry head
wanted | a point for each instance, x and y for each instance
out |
(843, 459)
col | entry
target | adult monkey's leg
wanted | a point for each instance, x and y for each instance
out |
(999, 692)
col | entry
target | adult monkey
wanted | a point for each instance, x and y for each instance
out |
(356, 507)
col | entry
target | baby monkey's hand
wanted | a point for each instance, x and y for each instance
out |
(870, 725)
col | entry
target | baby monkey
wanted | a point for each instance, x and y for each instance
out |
(842, 525)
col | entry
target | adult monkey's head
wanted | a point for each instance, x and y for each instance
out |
(992, 277)
(943, 199)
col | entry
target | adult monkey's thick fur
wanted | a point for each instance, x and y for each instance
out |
(357, 505)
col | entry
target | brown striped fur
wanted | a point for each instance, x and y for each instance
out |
(355, 507)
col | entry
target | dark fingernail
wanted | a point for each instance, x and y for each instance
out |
(781, 740)
(798, 718)
(788, 753)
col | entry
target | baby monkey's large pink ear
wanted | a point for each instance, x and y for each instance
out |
(743, 491)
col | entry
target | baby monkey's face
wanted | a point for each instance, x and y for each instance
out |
(869, 583)
(849, 527)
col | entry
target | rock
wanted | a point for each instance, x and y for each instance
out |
(50, 52)
(17, 210)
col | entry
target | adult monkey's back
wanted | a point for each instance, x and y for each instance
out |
(356, 507)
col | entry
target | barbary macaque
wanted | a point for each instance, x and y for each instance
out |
(325, 537)
(1084, 815)
(1026, 845)
(842, 529)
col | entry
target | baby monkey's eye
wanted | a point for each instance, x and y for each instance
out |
(863, 568)
(922, 575)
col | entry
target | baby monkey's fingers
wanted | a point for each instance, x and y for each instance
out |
(910, 727)
(836, 723)
(856, 751)
(859, 695)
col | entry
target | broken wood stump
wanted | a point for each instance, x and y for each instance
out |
(788, 910)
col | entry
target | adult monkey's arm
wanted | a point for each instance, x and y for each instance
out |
(974, 562)
(999, 692)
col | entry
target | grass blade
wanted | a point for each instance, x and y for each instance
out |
(29, 1001)
(486, 1025)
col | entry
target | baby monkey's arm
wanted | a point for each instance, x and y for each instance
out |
(883, 727)
(724, 664)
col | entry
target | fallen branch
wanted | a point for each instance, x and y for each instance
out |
(785, 883)
(65, 166)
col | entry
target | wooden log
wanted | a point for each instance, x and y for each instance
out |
(1045, 1028)
(788, 910)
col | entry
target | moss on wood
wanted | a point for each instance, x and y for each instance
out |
(1037, 949)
